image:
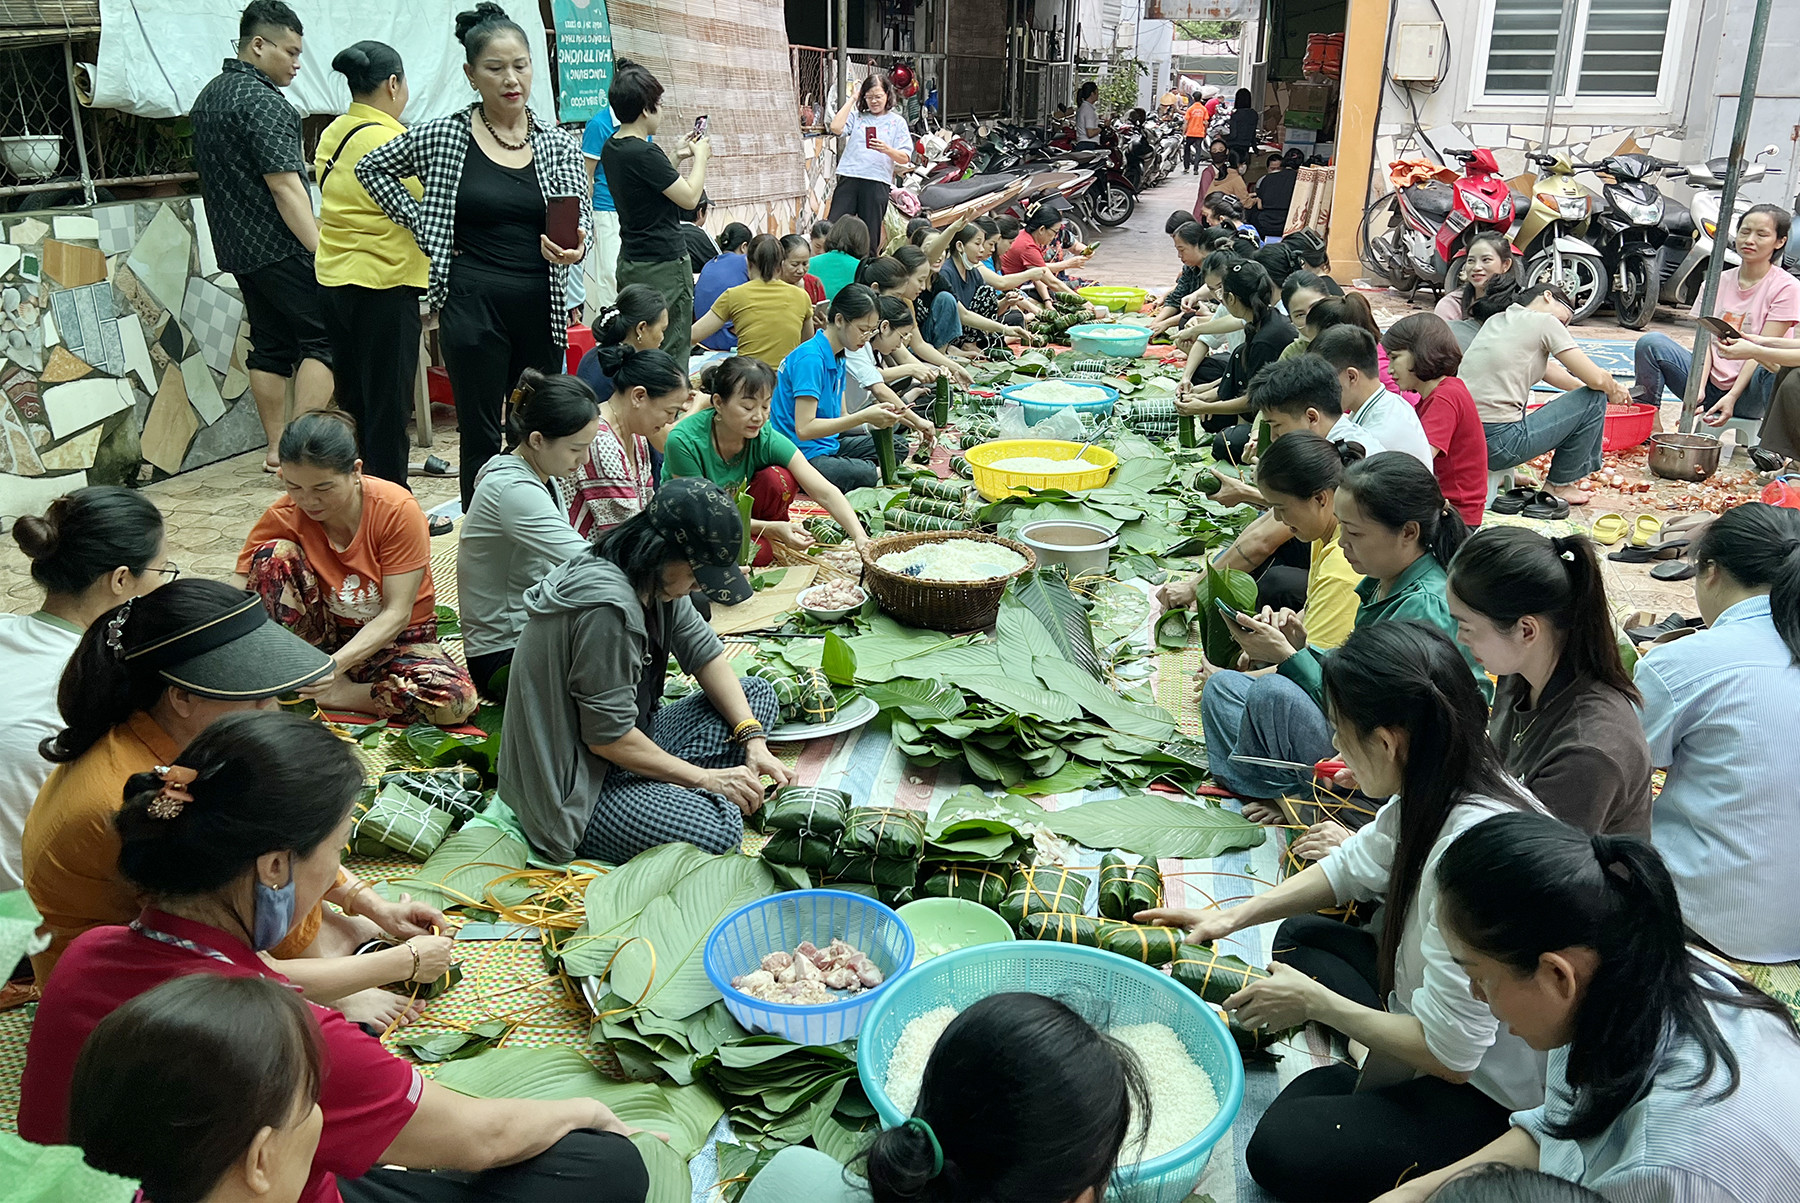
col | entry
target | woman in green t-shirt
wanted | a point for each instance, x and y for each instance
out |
(733, 444)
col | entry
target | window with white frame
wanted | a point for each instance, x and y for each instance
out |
(1621, 55)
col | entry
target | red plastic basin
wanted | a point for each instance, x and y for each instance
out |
(1626, 426)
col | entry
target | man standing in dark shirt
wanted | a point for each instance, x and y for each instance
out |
(253, 176)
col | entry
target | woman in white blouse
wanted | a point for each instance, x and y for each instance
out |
(1441, 1077)
(1671, 1080)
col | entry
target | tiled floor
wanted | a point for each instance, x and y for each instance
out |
(207, 513)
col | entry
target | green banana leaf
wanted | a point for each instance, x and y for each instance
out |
(1156, 826)
(36, 1173)
(661, 969)
(929, 700)
(1046, 597)
(686, 1114)
(1237, 590)
(616, 899)
(670, 1179)
(455, 1044)
(461, 870)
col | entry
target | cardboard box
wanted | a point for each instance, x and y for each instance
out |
(1310, 98)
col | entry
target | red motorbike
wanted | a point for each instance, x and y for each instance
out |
(1419, 235)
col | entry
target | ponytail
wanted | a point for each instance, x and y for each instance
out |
(895, 312)
(652, 370)
(1393, 488)
(1518, 886)
(637, 305)
(1758, 544)
(1303, 464)
(851, 302)
(1249, 283)
(765, 255)
(553, 406)
(1504, 573)
(884, 274)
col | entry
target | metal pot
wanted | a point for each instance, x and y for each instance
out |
(1081, 546)
(1684, 456)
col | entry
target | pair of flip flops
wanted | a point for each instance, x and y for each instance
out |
(1531, 503)
(1652, 539)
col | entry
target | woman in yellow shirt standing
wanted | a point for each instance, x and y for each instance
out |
(372, 271)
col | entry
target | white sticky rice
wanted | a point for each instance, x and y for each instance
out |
(1053, 392)
(954, 560)
(906, 1064)
(1039, 465)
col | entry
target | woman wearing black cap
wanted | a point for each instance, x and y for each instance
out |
(589, 764)
(147, 678)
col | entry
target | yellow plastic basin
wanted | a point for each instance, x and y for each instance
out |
(1116, 299)
(994, 484)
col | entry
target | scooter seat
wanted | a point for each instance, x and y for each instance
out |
(1431, 199)
(1521, 203)
(956, 192)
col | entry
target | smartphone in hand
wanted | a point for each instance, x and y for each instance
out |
(1234, 617)
(1721, 330)
(699, 128)
(562, 221)
(868, 135)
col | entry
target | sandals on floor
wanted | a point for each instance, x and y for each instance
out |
(1645, 530)
(1608, 529)
(439, 524)
(1513, 501)
(1545, 505)
(1675, 570)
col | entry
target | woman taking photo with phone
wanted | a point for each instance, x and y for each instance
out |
(490, 174)
(876, 142)
(1441, 1075)
(1671, 1079)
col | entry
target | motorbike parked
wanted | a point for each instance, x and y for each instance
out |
(1419, 235)
(1553, 236)
(1681, 265)
(1629, 230)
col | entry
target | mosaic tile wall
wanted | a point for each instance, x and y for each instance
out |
(123, 351)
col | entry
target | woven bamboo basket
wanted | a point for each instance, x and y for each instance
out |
(938, 605)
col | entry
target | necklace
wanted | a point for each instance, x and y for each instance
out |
(504, 144)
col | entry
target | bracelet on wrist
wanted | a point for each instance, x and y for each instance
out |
(414, 976)
(747, 730)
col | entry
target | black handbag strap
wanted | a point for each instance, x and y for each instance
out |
(342, 142)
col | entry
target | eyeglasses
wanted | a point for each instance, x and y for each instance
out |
(169, 569)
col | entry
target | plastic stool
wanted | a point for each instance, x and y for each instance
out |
(1499, 482)
(1748, 435)
(581, 341)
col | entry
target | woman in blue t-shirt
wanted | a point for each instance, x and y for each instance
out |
(808, 406)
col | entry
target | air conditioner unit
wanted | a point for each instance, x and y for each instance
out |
(1418, 55)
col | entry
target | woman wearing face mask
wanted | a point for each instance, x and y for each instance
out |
(1533, 612)
(516, 531)
(592, 762)
(768, 313)
(906, 275)
(1219, 173)
(733, 444)
(227, 843)
(1720, 709)
(808, 404)
(1757, 297)
(650, 392)
(1395, 529)
(145, 681)
(973, 308)
(1670, 1077)
(876, 143)
(488, 172)
(344, 561)
(1441, 1076)
(234, 1067)
(91, 551)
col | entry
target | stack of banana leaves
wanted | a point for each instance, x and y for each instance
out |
(973, 845)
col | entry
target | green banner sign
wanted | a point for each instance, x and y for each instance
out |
(584, 58)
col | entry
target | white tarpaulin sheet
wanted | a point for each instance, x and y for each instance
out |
(156, 55)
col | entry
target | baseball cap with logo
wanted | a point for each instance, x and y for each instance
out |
(702, 523)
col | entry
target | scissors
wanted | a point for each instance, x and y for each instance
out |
(1325, 768)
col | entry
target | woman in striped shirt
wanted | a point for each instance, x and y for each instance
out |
(615, 480)
(1671, 1079)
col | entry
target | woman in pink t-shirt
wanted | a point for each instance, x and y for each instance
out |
(1756, 298)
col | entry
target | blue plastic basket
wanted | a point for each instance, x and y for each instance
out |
(1109, 989)
(779, 924)
(1123, 340)
(1105, 396)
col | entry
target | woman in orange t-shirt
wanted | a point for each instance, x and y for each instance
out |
(344, 562)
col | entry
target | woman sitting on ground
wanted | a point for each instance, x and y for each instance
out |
(1393, 527)
(1490, 283)
(1441, 1076)
(1219, 398)
(808, 404)
(638, 319)
(907, 275)
(1022, 1098)
(845, 248)
(797, 255)
(227, 843)
(1226, 211)
(722, 273)
(968, 307)
(879, 371)
(344, 562)
(125, 714)
(92, 550)
(1533, 612)
(1424, 358)
(1506, 359)
(733, 444)
(590, 763)
(769, 314)
(1670, 1077)
(1720, 711)
(616, 477)
(516, 530)
(234, 1064)
(1757, 297)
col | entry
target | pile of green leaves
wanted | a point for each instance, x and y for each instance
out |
(1236, 589)
(1031, 709)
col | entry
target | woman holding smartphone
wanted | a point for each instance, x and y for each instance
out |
(495, 175)
(876, 140)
